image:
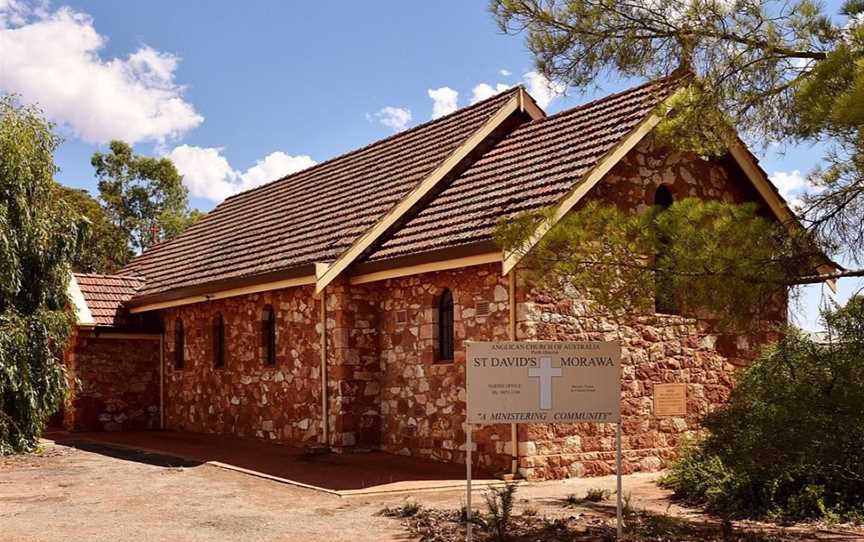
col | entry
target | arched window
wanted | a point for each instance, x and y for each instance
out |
(663, 197)
(445, 326)
(664, 291)
(268, 336)
(219, 342)
(179, 345)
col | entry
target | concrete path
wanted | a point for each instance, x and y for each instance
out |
(339, 474)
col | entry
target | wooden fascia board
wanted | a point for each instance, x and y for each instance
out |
(441, 265)
(83, 316)
(775, 202)
(580, 189)
(233, 292)
(124, 335)
(417, 193)
(529, 106)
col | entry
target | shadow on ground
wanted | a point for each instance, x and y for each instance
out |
(595, 523)
(330, 471)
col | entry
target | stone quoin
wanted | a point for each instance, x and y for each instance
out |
(374, 268)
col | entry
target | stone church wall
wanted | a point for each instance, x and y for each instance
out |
(655, 349)
(247, 398)
(114, 383)
(386, 386)
(422, 397)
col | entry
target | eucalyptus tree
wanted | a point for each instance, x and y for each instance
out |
(40, 236)
(143, 196)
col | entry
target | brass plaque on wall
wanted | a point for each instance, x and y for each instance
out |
(670, 399)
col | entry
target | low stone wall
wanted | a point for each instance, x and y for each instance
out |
(115, 384)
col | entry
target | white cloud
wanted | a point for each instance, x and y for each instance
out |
(13, 12)
(504, 73)
(793, 186)
(207, 173)
(52, 59)
(483, 91)
(541, 89)
(788, 183)
(396, 118)
(444, 101)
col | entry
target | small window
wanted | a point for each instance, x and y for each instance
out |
(445, 326)
(219, 342)
(401, 318)
(663, 197)
(179, 345)
(268, 336)
(664, 290)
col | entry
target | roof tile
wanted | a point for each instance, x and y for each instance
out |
(532, 167)
(105, 295)
(310, 216)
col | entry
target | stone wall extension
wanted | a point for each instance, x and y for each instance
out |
(114, 384)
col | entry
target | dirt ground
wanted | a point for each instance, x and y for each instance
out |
(67, 493)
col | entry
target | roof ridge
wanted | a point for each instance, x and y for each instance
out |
(377, 142)
(116, 275)
(310, 170)
(608, 98)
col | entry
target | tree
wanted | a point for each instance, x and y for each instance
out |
(105, 248)
(790, 441)
(773, 70)
(143, 196)
(40, 237)
(717, 260)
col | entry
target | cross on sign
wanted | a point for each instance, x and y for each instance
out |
(545, 373)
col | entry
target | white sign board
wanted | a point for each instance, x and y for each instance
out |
(543, 382)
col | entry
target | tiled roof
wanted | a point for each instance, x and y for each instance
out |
(105, 295)
(534, 166)
(310, 216)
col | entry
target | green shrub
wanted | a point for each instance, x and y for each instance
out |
(499, 510)
(790, 441)
(597, 494)
(408, 509)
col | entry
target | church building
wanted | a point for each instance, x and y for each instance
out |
(330, 308)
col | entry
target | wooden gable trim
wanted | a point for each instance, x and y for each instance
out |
(580, 189)
(333, 270)
(440, 265)
(760, 181)
(83, 316)
(739, 153)
(232, 292)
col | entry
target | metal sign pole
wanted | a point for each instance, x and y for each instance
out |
(468, 430)
(618, 475)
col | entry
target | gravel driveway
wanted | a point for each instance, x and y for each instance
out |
(71, 494)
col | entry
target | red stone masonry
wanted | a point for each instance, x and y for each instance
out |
(247, 398)
(114, 384)
(385, 384)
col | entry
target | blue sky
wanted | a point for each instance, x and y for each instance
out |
(240, 93)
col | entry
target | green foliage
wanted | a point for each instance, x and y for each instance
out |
(499, 510)
(408, 509)
(716, 258)
(770, 70)
(40, 235)
(105, 248)
(790, 442)
(142, 194)
(597, 494)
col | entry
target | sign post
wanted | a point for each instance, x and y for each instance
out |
(543, 382)
(469, 525)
